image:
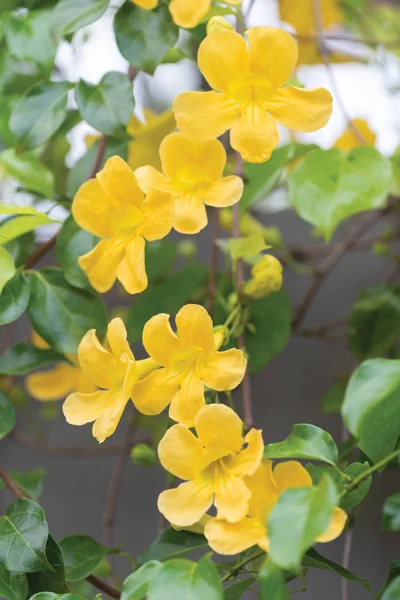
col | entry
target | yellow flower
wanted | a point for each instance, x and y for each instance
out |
(57, 383)
(147, 4)
(190, 360)
(266, 486)
(266, 278)
(193, 176)
(113, 207)
(250, 97)
(112, 368)
(218, 23)
(349, 140)
(147, 137)
(189, 13)
(213, 465)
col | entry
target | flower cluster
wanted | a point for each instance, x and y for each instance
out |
(187, 14)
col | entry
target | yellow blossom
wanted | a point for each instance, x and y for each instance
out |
(147, 4)
(147, 137)
(266, 278)
(192, 174)
(185, 13)
(112, 368)
(113, 207)
(349, 139)
(266, 485)
(218, 23)
(190, 360)
(212, 464)
(249, 97)
(57, 383)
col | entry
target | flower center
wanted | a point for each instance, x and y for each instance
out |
(251, 88)
(126, 220)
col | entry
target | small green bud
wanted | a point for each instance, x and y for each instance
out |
(187, 249)
(380, 249)
(144, 455)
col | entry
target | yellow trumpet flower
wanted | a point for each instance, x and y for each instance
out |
(185, 13)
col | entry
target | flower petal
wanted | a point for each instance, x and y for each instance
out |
(204, 115)
(160, 341)
(92, 209)
(186, 404)
(188, 14)
(222, 57)
(182, 453)
(97, 363)
(273, 54)
(186, 504)
(225, 192)
(148, 177)
(195, 327)
(119, 182)
(231, 498)
(192, 160)
(101, 263)
(264, 491)
(147, 4)
(158, 211)
(219, 427)
(222, 370)
(80, 409)
(83, 384)
(190, 214)
(336, 526)
(108, 420)
(301, 110)
(291, 474)
(152, 394)
(233, 538)
(54, 384)
(117, 338)
(255, 134)
(131, 271)
(249, 459)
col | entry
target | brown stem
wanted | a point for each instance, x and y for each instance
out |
(11, 485)
(104, 587)
(348, 541)
(212, 283)
(321, 330)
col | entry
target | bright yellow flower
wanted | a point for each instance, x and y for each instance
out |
(113, 207)
(192, 174)
(266, 486)
(147, 4)
(218, 23)
(147, 137)
(57, 383)
(266, 278)
(189, 13)
(250, 98)
(111, 367)
(190, 360)
(349, 140)
(213, 465)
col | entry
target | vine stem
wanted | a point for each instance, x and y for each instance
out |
(358, 480)
(104, 587)
(11, 485)
(235, 570)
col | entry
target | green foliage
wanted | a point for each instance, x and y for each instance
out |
(371, 406)
(235, 591)
(70, 15)
(315, 560)
(73, 242)
(144, 37)
(249, 246)
(391, 513)
(13, 586)
(305, 441)
(332, 400)
(82, 554)
(30, 482)
(7, 268)
(392, 591)
(50, 581)
(272, 583)
(23, 536)
(353, 497)
(136, 586)
(29, 171)
(143, 454)
(170, 544)
(23, 358)
(14, 299)
(70, 312)
(374, 324)
(7, 415)
(107, 106)
(328, 186)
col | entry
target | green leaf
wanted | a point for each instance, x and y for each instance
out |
(30, 482)
(394, 572)
(70, 312)
(248, 246)
(28, 38)
(328, 186)
(50, 581)
(7, 415)
(52, 596)
(392, 592)
(235, 591)
(73, 242)
(82, 555)
(167, 297)
(23, 537)
(108, 105)
(28, 170)
(7, 268)
(23, 358)
(170, 544)
(374, 323)
(13, 586)
(14, 227)
(391, 513)
(300, 515)
(371, 407)
(272, 583)
(144, 36)
(39, 113)
(14, 299)
(186, 579)
(271, 320)
(315, 560)
(20, 248)
(332, 400)
(70, 15)
(135, 587)
(305, 441)
(357, 495)
(81, 170)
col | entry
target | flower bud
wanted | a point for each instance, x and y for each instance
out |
(144, 455)
(266, 278)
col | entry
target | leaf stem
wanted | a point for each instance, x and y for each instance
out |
(235, 570)
(358, 480)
